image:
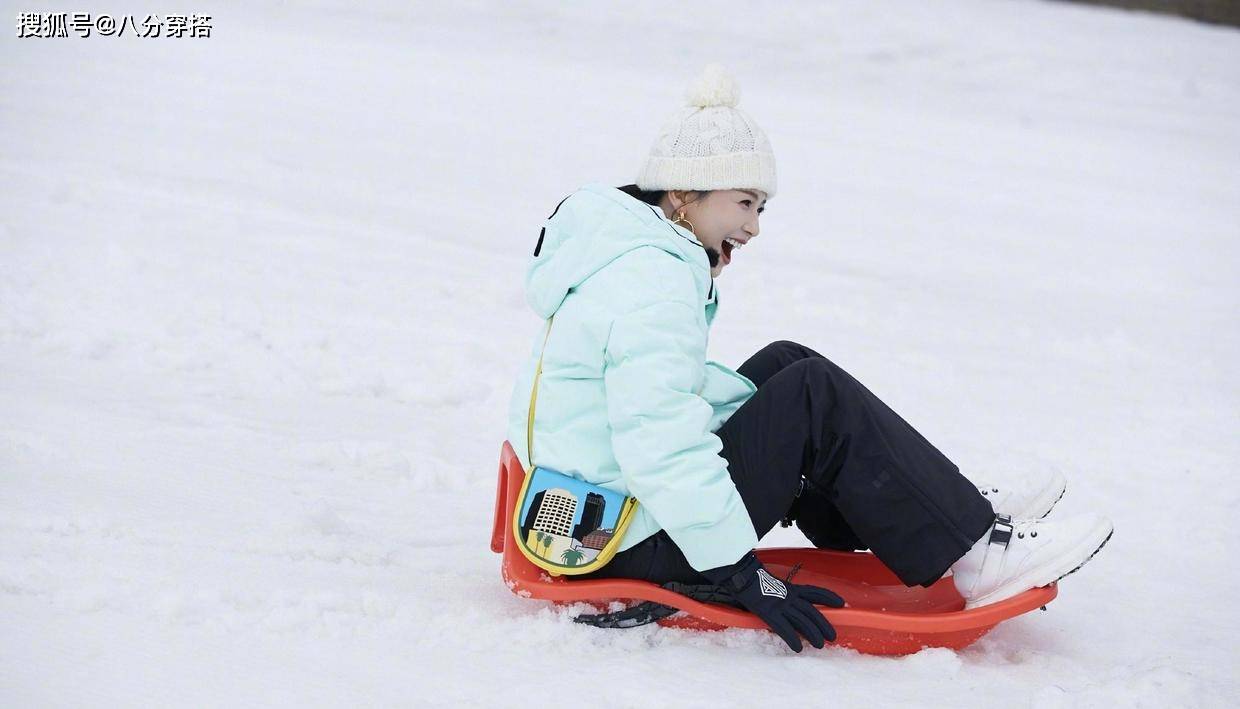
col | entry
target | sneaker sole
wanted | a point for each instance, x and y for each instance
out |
(1062, 491)
(1044, 506)
(1095, 553)
(1036, 578)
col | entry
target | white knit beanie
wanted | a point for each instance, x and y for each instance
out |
(710, 144)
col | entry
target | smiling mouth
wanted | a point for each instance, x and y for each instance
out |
(726, 248)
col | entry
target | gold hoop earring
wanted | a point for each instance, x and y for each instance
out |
(680, 217)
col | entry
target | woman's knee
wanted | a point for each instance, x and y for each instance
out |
(776, 358)
(815, 367)
(788, 351)
(817, 372)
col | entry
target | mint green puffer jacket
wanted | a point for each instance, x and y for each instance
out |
(627, 399)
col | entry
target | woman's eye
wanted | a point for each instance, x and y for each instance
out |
(747, 202)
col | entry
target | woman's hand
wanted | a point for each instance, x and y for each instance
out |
(788, 608)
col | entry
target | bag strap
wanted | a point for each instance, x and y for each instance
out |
(529, 425)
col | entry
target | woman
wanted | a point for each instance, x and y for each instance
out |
(628, 400)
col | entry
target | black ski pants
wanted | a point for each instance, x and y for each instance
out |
(815, 447)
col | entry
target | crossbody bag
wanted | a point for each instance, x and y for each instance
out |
(563, 525)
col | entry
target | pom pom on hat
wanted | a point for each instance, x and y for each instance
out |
(715, 87)
(710, 144)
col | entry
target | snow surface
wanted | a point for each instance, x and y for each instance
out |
(261, 304)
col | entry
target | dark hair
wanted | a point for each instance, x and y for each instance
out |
(652, 197)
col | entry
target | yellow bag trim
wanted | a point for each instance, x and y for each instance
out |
(625, 517)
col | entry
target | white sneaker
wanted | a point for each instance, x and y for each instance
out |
(1033, 497)
(1017, 555)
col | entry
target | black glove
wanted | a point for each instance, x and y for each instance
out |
(788, 608)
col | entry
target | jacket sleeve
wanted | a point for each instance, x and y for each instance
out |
(660, 433)
(725, 390)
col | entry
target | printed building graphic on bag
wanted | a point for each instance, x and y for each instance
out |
(564, 521)
(591, 516)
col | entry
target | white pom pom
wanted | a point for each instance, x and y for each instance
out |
(715, 87)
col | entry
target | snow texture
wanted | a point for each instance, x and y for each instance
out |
(261, 305)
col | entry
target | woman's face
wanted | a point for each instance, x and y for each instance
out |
(723, 220)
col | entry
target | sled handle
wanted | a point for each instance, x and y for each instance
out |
(501, 499)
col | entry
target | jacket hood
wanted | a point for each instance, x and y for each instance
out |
(591, 228)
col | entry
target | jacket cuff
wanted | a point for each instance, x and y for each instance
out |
(723, 543)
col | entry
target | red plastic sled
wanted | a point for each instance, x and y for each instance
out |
(883, 616)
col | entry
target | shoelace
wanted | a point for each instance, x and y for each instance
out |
(792, 572)
(1025, 528)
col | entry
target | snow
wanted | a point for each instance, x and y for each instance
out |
(261, 304)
